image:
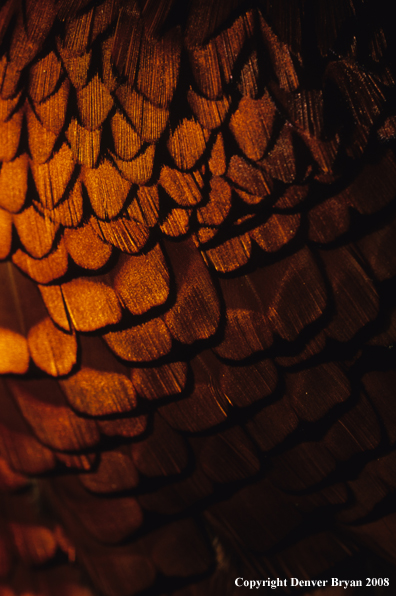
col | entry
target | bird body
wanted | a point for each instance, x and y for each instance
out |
(197, 309)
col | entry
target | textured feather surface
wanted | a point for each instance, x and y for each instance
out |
(197, 295)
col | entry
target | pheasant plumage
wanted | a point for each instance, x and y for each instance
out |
(198, 299)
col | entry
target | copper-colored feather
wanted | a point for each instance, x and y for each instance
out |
(197, 295)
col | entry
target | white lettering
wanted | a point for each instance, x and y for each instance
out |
(270, 583)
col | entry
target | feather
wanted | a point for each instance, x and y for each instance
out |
(197, 306)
